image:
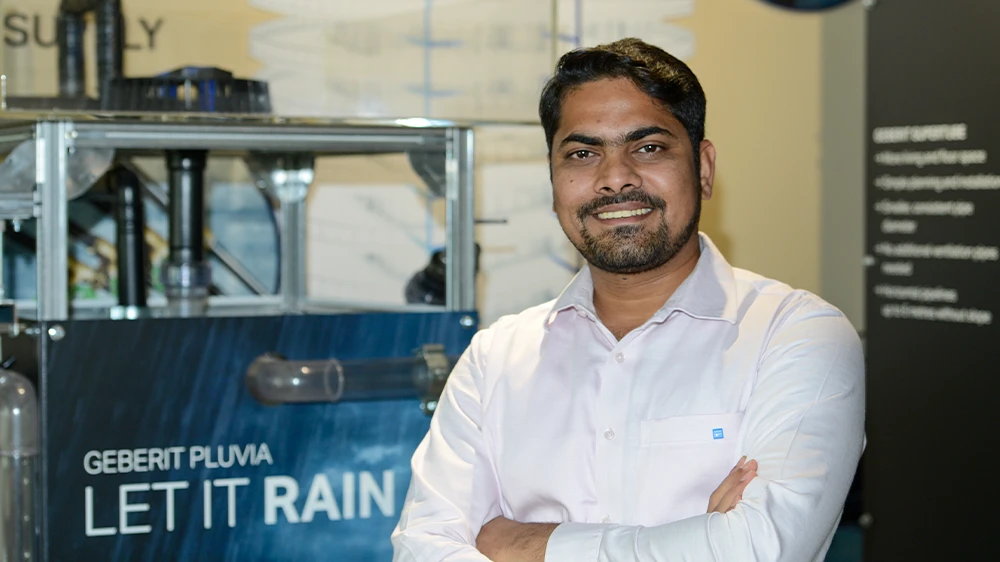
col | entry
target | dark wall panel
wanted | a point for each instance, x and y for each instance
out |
(933, 232)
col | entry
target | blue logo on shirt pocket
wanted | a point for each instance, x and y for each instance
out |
(717, 433)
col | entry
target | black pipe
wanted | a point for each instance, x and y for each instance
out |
(69, 35)
(110, 44)
(76, 6)
(187, 205)
(130, 219)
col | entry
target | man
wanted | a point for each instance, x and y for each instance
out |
(599, 426)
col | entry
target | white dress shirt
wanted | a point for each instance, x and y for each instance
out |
(547, 418)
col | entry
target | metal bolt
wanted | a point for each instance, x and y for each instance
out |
(866, 520)
(467, 322)
(429, 406)
(71, 134)
(57, 332)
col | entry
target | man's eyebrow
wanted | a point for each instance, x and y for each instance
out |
(626, 138)
(644, 132)
(582, 139)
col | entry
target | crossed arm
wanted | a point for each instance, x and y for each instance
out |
(505, 540)
(803, 425)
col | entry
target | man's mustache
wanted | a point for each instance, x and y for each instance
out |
(634, 196)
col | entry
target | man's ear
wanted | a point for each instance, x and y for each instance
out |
(707, 171)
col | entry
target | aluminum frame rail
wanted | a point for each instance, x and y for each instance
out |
(61, 140)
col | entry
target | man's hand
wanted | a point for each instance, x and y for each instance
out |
(503, 540)
(730, 492)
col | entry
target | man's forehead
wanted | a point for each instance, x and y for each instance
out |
(613, 115)
(608, 93)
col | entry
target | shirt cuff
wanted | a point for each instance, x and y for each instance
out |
(573, 542)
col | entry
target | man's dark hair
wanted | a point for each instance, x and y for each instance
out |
(657, 73)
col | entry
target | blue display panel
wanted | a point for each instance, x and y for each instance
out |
(155, 449)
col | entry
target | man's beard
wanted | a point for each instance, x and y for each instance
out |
(632, 248)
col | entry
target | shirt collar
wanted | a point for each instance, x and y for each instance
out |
(709, 292)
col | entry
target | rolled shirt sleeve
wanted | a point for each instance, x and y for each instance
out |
(453, 491)
(804, 424)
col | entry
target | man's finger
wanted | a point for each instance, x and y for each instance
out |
(730, 479)
(733, 497)
(716, 499)
(740, 463)
(731, 487)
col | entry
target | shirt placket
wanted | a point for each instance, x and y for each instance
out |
(613, 432)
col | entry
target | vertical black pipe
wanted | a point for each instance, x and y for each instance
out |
(69, 35)
(110, 43)
(187, 206)
(130, 219)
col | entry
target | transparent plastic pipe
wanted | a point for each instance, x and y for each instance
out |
(18, 460)
(272, 379)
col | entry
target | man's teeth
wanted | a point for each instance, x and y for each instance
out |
(623, 214)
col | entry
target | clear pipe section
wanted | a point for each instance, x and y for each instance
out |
(18, 464)
(274, 380)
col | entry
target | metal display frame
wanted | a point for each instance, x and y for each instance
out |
(58, 138)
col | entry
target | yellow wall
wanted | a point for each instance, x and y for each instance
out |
(760, 67)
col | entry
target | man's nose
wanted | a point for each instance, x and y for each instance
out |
(617, 173)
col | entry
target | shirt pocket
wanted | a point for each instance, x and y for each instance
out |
(682, 460)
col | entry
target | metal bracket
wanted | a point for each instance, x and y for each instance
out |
(431, 167)
(84, 166)
(17, 206)
(286, 178)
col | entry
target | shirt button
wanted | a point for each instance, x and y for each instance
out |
(620, 357)
(609, 434)
(607, 519)
(581, 313)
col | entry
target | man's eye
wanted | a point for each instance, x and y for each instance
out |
(580, 154)
(650, 148)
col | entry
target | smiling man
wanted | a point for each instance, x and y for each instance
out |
(615, 422)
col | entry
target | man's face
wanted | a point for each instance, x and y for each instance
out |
(624, 183)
